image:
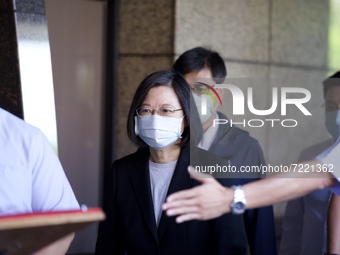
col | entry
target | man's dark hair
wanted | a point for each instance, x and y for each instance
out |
(198, 58)
(331, 81)
(193, 132)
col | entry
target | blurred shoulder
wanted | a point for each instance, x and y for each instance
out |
(17, 130)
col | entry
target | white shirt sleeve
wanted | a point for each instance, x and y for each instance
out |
(31, 176)
(51, 189)
(331, 158)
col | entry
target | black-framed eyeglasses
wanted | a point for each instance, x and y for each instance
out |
(163, 111)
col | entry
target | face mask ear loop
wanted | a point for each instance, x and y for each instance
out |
(180, 126)
(136, 125)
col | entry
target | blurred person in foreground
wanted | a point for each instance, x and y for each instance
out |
(304, 222)
(31, 176)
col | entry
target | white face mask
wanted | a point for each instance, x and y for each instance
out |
(157, 131)
(333, 123)
(210, 107)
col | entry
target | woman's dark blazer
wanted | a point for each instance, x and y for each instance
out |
(130, 226)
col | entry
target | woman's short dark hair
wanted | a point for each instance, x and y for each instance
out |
(193, 132)
(196, 59)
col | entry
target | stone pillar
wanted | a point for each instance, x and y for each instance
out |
(257, 39)
(264, 39)
(146, 40)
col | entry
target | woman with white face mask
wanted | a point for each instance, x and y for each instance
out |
(161, 124)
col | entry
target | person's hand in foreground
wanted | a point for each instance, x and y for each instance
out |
(207, 201)
(210, 199)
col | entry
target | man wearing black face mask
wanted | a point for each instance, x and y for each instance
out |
(304, 222)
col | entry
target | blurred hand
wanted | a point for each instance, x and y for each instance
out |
(207, 201)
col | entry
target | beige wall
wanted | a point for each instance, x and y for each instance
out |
(77, 40)
(146, 38)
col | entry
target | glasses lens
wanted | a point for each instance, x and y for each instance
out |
(163, 111)
(142, 111)
(166, 111)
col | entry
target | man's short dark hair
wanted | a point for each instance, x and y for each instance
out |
(331, 81)
(193, 132)
(198, 58)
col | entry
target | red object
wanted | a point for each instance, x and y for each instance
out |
(22, 234)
